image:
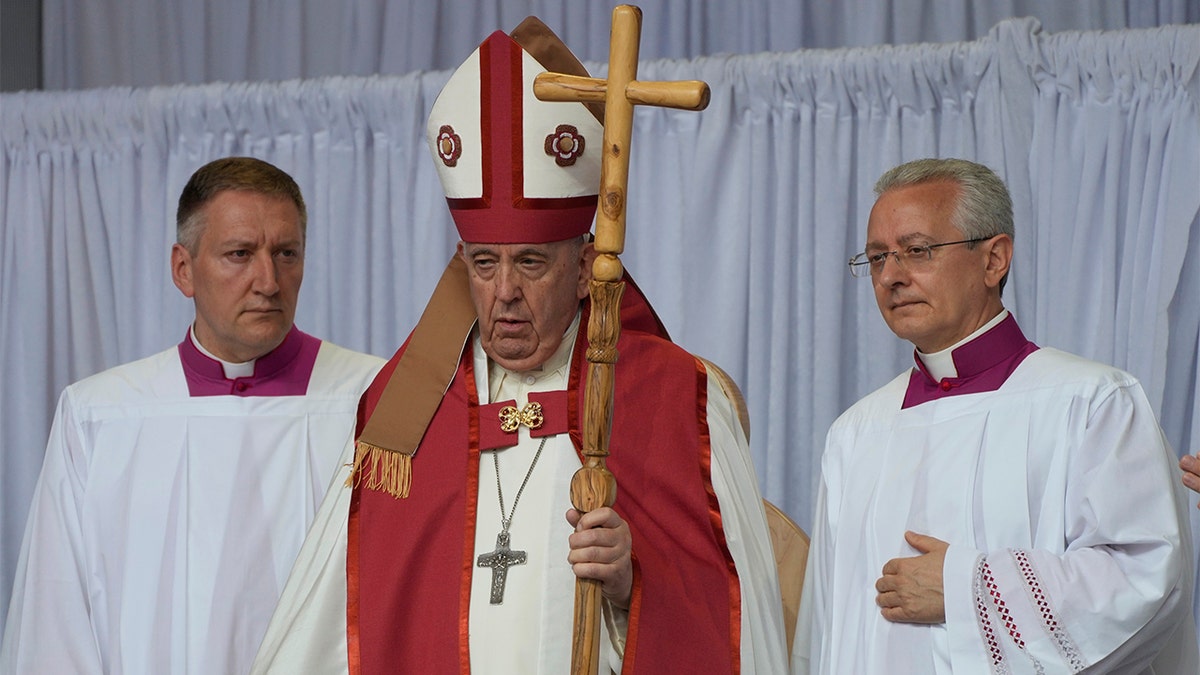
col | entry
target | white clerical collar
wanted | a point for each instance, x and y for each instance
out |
(504, 384)
(232, 370)
(940, 364)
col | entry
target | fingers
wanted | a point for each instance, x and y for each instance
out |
(602, 517)
(600, 536)
(923, 542)
(573, 517)
(910, 589)
(600, 549)
(1191, 472)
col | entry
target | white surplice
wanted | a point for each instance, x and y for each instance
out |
(164, 525)
(1066, 522)
(530, 633)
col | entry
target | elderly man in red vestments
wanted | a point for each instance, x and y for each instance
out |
(454, 555)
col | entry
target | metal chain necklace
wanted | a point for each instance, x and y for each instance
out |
(504, 557)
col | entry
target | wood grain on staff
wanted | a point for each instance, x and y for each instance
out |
(593, 485)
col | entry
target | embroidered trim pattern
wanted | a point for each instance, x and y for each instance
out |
(1006, 617)
(1066, 646)
(995, 651)
(449, 145)
(565, 145)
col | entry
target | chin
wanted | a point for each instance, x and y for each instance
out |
(905, 330)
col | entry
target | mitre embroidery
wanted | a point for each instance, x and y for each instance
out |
(565, 145)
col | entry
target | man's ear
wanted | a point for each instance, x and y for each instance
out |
(587, 257)
(999, 257)
(181, 270)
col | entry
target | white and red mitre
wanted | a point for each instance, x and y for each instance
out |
(514, 169)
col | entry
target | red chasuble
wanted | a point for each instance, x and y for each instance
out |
(409, 561)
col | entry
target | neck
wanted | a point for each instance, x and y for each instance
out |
(232, 370)
(940, 364)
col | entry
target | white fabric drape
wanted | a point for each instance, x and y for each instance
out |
(740, 224)
(101, 43)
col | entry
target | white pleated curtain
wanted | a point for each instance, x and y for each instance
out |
(741, 219)
(100, 43)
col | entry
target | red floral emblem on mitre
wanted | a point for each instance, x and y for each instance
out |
(449, 145)
(565, 145)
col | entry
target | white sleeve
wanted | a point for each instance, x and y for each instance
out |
(50, 627)
(1120, 592)
(763, 647)
(307, 633)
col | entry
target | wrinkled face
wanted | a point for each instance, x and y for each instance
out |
(526, 296)
(950, 296)
(244, 275)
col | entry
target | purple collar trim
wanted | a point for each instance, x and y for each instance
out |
(284, 371)
(983, 364)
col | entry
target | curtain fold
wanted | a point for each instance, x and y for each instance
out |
(741, 219)
(100, 43)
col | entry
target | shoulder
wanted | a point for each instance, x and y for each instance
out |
(1049, 367)
(341, 356)
(877, 407)
(1055, 362)
(637, 344)
(159, 376)
(337, 366)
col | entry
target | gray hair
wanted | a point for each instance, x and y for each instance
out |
(231, 173)
(984, 206)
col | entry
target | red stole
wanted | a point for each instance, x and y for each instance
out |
(409, 561)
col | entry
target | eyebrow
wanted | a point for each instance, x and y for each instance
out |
(251, 243)
(529, 250)
(904, 240)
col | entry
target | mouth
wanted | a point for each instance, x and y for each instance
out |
(508, 326)
(901, 304)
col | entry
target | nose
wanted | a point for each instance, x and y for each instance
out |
(508, 284)
(266, 276)
(893, 271)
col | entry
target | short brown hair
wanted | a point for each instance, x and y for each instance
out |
(231, 173)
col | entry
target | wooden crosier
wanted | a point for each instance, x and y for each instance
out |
(593, 486)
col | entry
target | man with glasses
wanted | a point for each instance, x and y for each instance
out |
(1000, 507)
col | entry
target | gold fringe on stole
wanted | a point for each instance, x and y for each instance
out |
(384, 450)
(383, 470)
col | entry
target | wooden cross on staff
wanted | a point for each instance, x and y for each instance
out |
(593, 486)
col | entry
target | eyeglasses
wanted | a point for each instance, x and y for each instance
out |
(912, 257)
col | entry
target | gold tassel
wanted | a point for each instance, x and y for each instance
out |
(382, 469)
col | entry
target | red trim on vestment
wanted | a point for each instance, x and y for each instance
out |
(718, 523)
(366, 406)
(470, 514)
(486, 126)
(512, 116)
(353, 658)
(629, 660)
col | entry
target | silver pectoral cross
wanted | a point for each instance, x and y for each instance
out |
(500, 560)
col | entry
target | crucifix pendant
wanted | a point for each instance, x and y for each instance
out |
(500, 560)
